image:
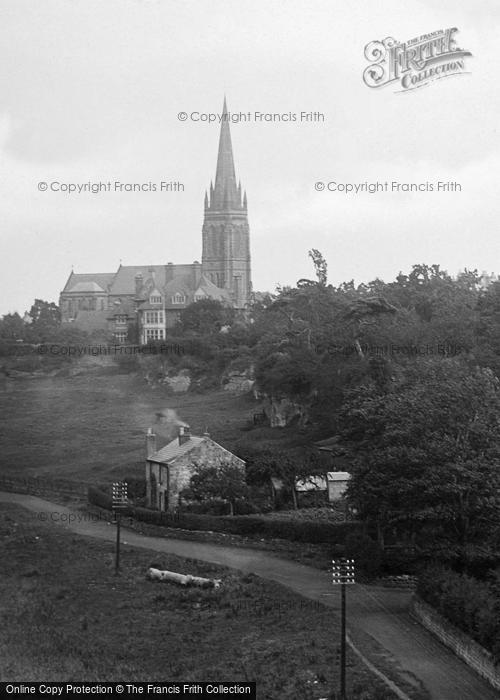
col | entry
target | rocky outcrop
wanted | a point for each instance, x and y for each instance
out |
(178, 383)
(282, 411)
(239, 381)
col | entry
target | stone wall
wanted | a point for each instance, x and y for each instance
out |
(464, 647)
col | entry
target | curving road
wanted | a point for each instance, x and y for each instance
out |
(381, 613)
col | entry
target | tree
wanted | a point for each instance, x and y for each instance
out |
(288, 467)
(12, 327)
(46, 320)
(225, 481)
(205, 317)
(427, 452)
(320, 266)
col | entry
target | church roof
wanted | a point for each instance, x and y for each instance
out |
(89, 282)
(124, 281)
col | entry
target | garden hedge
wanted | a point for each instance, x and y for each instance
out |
(297, 531)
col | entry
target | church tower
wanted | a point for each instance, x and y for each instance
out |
(226, 235)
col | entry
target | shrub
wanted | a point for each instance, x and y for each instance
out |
(366, 553)
(472, 606)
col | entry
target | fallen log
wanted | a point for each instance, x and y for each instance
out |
(183, 580)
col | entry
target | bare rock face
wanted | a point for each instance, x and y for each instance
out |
(179, 383)
(239, 381)
(282, 411)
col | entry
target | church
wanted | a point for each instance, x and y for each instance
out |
(150, 297)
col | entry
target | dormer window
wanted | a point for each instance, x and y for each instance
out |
(155, 299)
(178, 298)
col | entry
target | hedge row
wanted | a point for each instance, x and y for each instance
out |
(471, 605)
(312, 532)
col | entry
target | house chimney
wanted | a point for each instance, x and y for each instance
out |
(138, 284)
(184, 434)
(150, 443)
(169, 272)
(197, 272)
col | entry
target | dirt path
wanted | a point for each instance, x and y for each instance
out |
(381, 613)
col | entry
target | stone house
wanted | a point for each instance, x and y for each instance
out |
(169, 469)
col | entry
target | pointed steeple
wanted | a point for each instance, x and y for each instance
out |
(225, 194)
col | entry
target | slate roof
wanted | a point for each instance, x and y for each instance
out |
(124, 281)
(101, 279)
(211, 290)
(173, 450)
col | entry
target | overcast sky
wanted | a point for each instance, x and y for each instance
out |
(90, 90)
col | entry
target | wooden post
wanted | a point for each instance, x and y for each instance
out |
(117, 556)
(119, 502)
(343, 574)
(342, 643)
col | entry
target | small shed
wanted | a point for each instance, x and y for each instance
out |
(337, 485)
(333, 483)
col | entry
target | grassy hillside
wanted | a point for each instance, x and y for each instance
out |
(90, 425)
(65, 616)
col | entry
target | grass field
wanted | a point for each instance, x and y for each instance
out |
(91, 426)
(64, 616)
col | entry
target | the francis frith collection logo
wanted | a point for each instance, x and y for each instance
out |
(414, 63)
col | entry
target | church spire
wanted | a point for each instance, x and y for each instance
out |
(225, 193)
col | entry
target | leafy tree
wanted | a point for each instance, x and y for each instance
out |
(427, 452)
(205, 317)
(225, 481)
(289, 467)
(12, 327)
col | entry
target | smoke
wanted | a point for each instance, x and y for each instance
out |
(167, 423)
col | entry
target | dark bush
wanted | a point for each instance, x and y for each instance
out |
(472, 606)
(366, 553)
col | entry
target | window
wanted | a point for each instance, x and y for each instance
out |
(155, 300)
(121, 319)
(220, 280)
(199, 297)
(153, 317)
(121, 337)
(154, 334)
(178, 298)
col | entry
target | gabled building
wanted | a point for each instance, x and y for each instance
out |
(169, 469)
(150, 297)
